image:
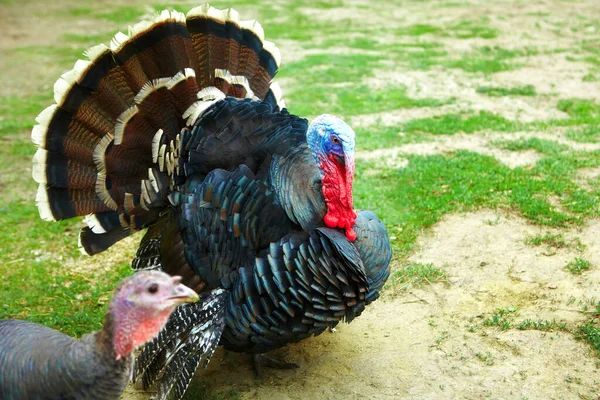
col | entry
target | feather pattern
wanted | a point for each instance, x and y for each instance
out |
(189, 338)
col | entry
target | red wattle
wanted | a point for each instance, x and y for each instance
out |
(337, 191)
(350, 234)
(132, 330)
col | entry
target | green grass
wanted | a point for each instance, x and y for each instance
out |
(490, 59)
(18, 113)
(585, 134)
(556, 241)
(501, 318)
(542, 325)
(527, 90)
(464, 29)
(590, 333)
(578, 265)
(433, 186)
(450, 124)
(415, 275)
(352, 100)
(35, 253)
(199, 389)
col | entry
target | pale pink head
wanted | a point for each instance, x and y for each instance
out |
(141, 306)
(332, 142)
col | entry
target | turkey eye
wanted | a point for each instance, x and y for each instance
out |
(335, 140)
(153, 288)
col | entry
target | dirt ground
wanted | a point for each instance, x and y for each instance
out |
(429, 342)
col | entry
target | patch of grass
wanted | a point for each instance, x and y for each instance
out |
(490, 59)
(468, 29)
(578, 265)
(352, 100)
(591, 77)
(590, 332)
(333, 68)
(200, 389)
(548, 239)
(501, 318)
(382, 136)
(582, 110)
(556, 241)
(18, 113)
(527, 90)
(543, 325)
(122, 15)
(487, 358)
(85, 39)
(415, 275)
(449, 124)
(432, 186)
(418, 30)
(544, 146)
(464, 29)
(586, 134)
(34, 254)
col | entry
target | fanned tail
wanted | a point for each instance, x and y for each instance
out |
(109, 147)
(188, 340)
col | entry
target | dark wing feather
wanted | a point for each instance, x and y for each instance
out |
(373, 245)
(226, 221)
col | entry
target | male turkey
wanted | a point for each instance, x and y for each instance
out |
(178, 128)
(39, 363)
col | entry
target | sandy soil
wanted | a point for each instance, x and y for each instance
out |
(429, 342)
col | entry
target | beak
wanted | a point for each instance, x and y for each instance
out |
(180, 293)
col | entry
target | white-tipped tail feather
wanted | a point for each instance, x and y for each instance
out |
(150, 87)
(156, 145)
(38, 170)
(181, 76)
(94, 224)
(122, 121)
(95, 52)
(118, 41)
(100, 162)
(41, 200)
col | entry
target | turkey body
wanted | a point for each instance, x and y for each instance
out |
(179, 128)
(51, 365)
(256, 230)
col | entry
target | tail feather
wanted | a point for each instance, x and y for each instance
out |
(189, 337)
(212, 32)
(109, 147)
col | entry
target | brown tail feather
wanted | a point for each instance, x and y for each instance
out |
(110, 144)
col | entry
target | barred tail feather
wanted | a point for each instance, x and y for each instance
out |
(99, 152)
(188, 339)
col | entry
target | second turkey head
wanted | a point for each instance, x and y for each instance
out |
(331, 141)
(141, 306)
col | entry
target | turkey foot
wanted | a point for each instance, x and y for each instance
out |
(262, 360)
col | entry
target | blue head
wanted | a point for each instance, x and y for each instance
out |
(331, 141)
(329, 135)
